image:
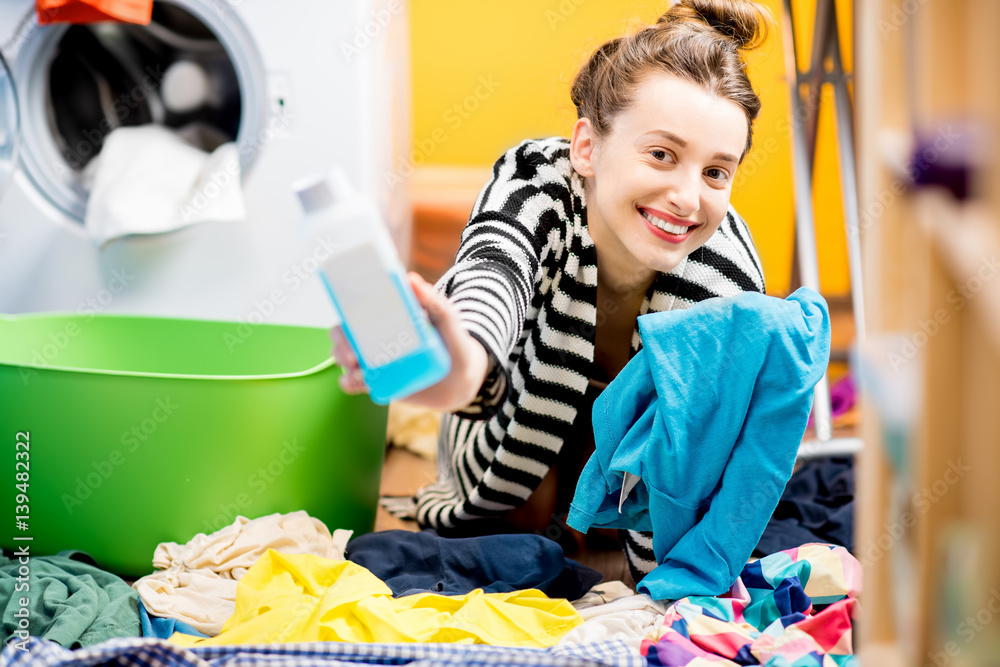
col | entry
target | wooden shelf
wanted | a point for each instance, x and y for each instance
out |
(967, 239)
(933, 285)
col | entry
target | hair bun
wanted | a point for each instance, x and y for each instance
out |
(745, 22)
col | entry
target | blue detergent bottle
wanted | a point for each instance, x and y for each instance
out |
(397, 348)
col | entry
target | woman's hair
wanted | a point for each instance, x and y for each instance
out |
(700, 41)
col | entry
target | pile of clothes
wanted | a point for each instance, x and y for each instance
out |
(258, 590)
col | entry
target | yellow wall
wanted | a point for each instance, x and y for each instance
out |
(487, 75)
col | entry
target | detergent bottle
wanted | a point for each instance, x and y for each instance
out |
(397, 348)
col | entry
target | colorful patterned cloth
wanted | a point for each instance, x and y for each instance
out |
(790, 609)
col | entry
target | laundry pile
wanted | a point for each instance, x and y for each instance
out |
(794, 605)
(286, 578)
(196, 583)
(674, 454)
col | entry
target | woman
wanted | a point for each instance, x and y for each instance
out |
(567, 245)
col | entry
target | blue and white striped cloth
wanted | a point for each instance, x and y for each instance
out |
(148, 652)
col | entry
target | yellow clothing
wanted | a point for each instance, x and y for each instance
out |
(302, 598)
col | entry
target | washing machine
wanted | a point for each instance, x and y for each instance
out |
(299, 86)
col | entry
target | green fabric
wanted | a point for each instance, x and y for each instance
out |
(71, 602)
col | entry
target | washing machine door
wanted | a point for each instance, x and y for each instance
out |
(9, 126)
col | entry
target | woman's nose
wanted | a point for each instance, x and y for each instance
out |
(684, 193)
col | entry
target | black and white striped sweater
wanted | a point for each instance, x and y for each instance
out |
(525, 282)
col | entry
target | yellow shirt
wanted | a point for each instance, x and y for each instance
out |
(303, 598)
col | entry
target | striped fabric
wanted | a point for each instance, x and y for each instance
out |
(146, 652)
(525, 282)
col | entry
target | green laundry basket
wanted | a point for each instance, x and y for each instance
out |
(141, 430)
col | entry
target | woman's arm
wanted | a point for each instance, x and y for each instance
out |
(482, 301)
(469, 360)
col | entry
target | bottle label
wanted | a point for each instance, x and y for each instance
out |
(372, 308)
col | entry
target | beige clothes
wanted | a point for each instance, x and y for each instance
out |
(414, 428)
(602, 593)
(196, 582)
(613, 611)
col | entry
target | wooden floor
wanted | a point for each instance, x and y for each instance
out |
(402, 475)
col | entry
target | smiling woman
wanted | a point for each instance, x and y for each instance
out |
(669, 164)
(569, 243)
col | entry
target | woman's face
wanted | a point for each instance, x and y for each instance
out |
(658, 184)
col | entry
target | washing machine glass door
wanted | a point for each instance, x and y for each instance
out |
(9, 126)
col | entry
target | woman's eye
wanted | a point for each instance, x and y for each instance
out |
(658, 154)
(716, 174)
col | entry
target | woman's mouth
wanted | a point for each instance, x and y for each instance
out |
(668, 231)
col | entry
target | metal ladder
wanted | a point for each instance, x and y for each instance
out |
(805, 108)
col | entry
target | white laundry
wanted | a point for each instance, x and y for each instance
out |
(148, 180)
(602, 593)
(196, 582)
(613, 611)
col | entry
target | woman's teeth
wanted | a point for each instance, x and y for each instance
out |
(666, 226)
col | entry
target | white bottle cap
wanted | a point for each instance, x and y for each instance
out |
(322, 191)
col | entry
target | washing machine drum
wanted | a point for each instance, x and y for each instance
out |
(9, 129)
(173, 72)
(191, 70)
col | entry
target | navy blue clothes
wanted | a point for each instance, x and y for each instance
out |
(164, 628)
(817, 506)
(709, 415)
(425, 563)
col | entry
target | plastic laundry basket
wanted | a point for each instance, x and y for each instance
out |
(144, 430)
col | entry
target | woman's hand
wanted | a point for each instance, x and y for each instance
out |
(469, 360)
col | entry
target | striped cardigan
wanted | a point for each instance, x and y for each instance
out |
(525, 283)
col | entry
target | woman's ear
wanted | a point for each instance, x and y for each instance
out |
(582, 145)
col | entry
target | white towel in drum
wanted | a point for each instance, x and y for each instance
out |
(147, 180)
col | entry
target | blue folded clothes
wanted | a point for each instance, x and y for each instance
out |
(164, 628)
(709, 415)
(425, 563)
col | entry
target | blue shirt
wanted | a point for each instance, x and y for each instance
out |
(709, 415)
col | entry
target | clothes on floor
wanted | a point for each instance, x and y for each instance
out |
(422, 562)
(525, 285)
(816, 506)
(718, 396)
(790, 608)
(302, 598)
(163, 628)
(143, 652)
(67, 599)
(196, 582)
(603, 593)
(629, 618)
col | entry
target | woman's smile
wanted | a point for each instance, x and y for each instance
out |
(668, 227)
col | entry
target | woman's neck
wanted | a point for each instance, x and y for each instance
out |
(617, 269)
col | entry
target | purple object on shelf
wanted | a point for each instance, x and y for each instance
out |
(843, 396)
(948, 155)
